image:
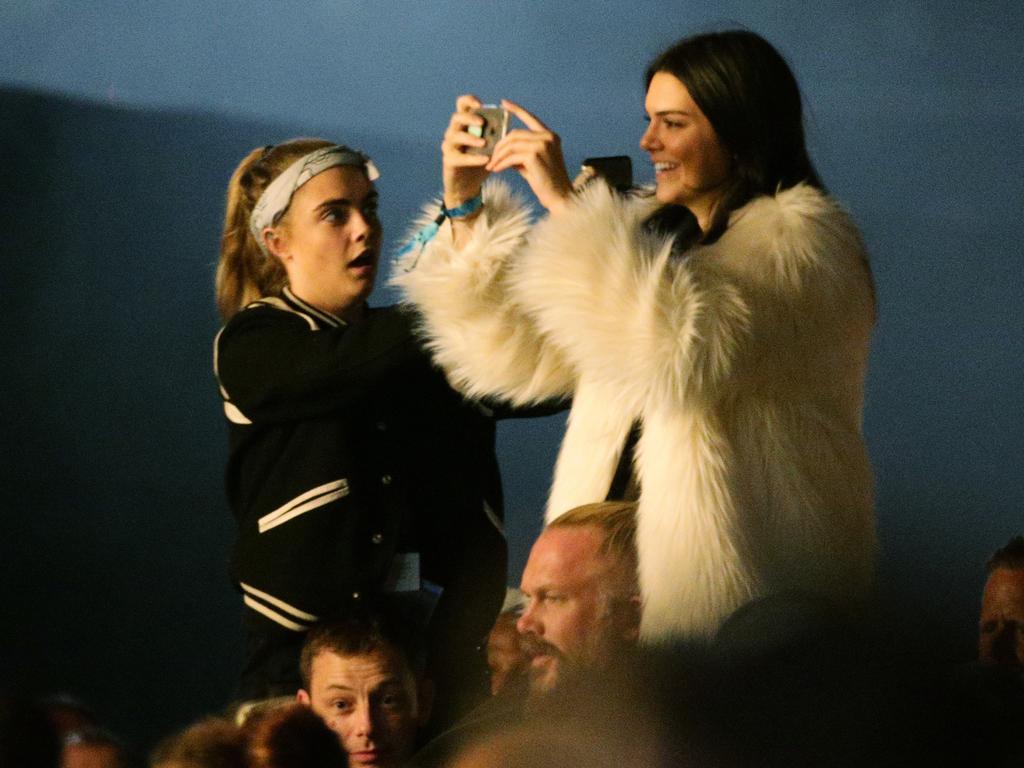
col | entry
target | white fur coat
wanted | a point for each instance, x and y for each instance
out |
(744, 362)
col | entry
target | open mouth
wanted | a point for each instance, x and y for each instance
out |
(364, 259)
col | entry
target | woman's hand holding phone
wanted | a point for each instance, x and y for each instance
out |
(536, 152)
(463, 172)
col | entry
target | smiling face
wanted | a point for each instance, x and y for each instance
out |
(691, 164)
(370, 700)
(572, 619)
(329, 241)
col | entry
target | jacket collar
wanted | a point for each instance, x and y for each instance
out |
(327, 318)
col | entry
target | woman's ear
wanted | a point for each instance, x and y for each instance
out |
(276, 243)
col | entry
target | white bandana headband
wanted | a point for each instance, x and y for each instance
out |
(278, 195)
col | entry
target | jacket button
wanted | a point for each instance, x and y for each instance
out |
(382, 426)
(386, 480)
(377, 538)
(356, 595)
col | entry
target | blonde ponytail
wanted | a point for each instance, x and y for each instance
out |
(244, 273)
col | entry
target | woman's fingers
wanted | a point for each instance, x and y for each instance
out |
(535, 152)
(544, 144)
(467, 102)
(458, 159)
(520, 160)
(457, 139)
(520, 134)
(462, 120)
(459, 126)
(463, 172)
(530, 120)
(524, 158)
(537, 156)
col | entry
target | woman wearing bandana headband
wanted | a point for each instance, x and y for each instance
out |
(354, 470)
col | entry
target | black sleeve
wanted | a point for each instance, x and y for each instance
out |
(501, 409)
(272, 366)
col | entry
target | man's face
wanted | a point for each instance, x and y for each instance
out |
(370, 701)
(570, 620)
(87, 755)
(505, 657)
(1001, 626)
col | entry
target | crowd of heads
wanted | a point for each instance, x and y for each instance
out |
(789, 679)
(57, 731)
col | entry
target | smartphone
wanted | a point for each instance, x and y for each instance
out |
(494, 128)
(617, 170)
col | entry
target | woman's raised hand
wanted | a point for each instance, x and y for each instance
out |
(463, 172)
(536, 152)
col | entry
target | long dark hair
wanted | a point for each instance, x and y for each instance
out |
(751, 98)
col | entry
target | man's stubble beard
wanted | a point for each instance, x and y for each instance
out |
(560, 667)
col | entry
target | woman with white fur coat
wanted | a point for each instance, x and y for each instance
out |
(725, 320)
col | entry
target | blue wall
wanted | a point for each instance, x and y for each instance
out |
(119, 125)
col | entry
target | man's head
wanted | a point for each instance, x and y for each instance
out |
(505, 657)
(291, 736)
(582, 599)
(212, 742)
(1001, 626)
(360, 678)
(92, 748)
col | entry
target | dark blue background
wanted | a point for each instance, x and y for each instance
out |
(120, 124)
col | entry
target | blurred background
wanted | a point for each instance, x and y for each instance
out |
(120, 124)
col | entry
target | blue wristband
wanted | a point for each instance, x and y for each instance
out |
(428, 232)
(469, 207)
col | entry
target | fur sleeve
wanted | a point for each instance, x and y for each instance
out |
(618, 304)
(476, 331)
